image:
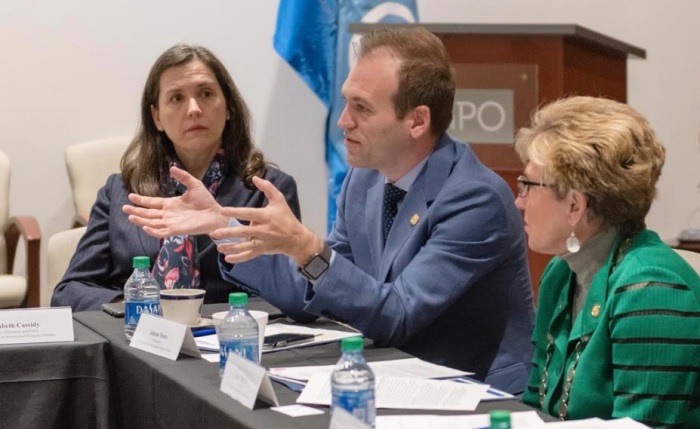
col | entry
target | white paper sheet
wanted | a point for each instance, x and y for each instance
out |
(595, 423)
(297, 410)
(522, 419)
(404, 393)
(409, 368)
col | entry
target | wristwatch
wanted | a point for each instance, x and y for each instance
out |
(317, 264)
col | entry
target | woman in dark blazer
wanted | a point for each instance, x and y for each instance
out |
(192, 116)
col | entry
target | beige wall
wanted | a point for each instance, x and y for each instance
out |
(73, 71)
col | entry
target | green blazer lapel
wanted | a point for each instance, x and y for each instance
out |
(591, 313)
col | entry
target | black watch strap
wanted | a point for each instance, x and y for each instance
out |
(317, 264)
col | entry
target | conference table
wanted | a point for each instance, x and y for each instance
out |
(150, 391)
(58, 384)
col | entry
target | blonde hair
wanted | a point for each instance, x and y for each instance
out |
(601, 147)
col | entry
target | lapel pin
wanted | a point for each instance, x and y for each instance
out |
(414, 219)
(595, 311)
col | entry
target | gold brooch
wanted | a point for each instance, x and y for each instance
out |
(595, 311)
(414, 219)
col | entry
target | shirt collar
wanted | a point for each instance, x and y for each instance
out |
(406, 181)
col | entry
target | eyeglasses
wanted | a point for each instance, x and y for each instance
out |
(523, 184)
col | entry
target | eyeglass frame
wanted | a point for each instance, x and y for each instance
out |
(523, 185)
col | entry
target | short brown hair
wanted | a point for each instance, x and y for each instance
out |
(601, 147)
(426, 75)
(150, 150)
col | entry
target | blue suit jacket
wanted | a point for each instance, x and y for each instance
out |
(103, 260)
(452, 288)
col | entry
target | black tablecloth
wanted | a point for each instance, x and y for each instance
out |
(154, 392)
(56, 385)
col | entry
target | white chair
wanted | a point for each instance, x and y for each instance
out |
(17, 290)
(89, 165)
(61, 248)
(692, 258)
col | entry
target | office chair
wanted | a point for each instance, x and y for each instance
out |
(17, 290)
(61, 248)
(89, 164)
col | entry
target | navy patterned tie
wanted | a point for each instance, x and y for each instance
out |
(392, 195)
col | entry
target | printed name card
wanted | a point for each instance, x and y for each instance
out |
(36, 325)
(163, 337)
(245, 381)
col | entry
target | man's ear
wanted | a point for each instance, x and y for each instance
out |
(156, 117)
(420, 121)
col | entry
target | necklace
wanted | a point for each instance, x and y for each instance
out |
(563, 408)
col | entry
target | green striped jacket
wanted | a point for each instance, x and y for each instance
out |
(639, 331)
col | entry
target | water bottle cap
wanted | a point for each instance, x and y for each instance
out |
(237, 298)
(141, 262)
(352, 343)
(499, 416)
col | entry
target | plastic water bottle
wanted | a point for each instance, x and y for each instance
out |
(500, 419)
(141, 295)
(352, 382)
(238, 332)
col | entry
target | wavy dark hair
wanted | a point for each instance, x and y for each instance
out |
(151, 150)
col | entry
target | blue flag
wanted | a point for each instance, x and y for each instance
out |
(313, 37)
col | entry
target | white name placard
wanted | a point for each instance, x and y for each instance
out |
(36, 325)
(163, 337)
(245, 381)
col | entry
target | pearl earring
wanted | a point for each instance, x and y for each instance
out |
(573, 245)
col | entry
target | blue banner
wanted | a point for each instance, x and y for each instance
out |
(313, 37)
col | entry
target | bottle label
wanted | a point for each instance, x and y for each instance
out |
(359, 403)
(247, 348)
(133, 311)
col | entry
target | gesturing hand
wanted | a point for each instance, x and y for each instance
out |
(195, 212)
(273, 229)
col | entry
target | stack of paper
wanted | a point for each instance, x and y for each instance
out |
(296, 377)
(403, 393)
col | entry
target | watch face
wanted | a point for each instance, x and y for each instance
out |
(316, 267)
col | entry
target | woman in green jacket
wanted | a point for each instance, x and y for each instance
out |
(618, 320)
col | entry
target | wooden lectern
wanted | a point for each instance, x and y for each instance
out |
(523, 66)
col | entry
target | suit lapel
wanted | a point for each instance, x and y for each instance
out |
(415, 206)
(149, 245)
(373, 212)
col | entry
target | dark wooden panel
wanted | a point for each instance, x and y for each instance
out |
(545, 52)
(592, 71)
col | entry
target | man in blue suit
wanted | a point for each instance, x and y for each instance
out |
(442, 274)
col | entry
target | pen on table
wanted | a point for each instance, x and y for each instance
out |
(283, 343)
(203, 332)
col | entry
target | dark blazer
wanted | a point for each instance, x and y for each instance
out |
(451, 286)
(102, 262)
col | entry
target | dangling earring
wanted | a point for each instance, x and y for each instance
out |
(572, 243)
